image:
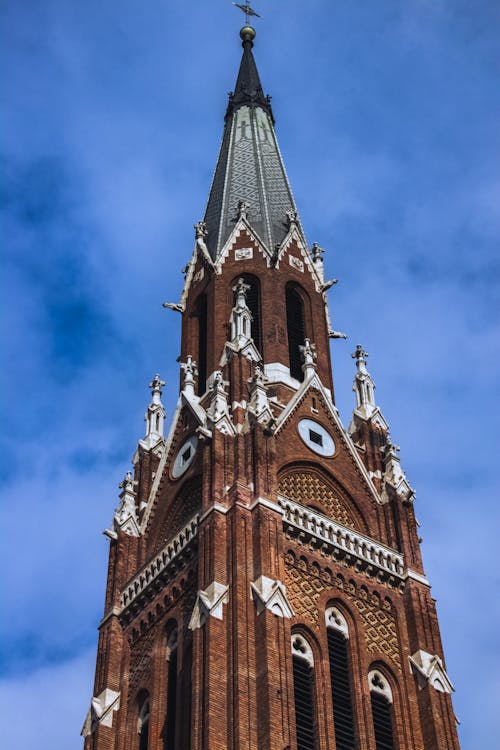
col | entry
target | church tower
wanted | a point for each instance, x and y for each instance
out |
(265, 586)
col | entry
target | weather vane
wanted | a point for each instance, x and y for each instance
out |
(247, 10)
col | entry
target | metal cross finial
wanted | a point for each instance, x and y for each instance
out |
(247, 10)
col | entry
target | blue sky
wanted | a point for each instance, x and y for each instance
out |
(387, 116)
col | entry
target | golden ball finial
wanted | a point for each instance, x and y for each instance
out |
(247, 33)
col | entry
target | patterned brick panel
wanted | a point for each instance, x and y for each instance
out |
(305, 583)
(182, 509)
(309, 489)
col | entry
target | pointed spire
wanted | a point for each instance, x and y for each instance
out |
(248, 90)
(155, 414)
(190, 370)
(250, 183)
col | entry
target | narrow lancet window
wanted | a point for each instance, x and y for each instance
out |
(303, 687)
(170, 720)
(340, 678)
(201, 314)
(143, 724)
(296, 331)
(381, 701)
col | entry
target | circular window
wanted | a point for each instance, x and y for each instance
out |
(185, 456)
(316, 437)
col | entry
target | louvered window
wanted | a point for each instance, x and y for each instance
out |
(253, 304)
(169, 741)
(202, 344)
(343, 718)
(303, 691)
(382, 722)
(296, 331)
(143, 725)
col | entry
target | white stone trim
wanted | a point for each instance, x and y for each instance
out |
(209, 604)
(101, 711)
(335, 619)
(368, 553)
(429, 670)
(416, 577)
(279, 373)
(270, 594)
(302, 649)
(159, 564)
(378, 683)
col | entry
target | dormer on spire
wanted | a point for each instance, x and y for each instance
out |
(155, 414)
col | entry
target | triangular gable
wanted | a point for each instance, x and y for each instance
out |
(295, 234)
(315, 383)
(242, 225)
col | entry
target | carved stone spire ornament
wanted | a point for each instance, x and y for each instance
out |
(155, 414)
(125, 517)
(309, 356)
(258, 405)
(394, 476)
(190, 371)
(241, 317)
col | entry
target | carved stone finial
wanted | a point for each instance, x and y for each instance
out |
(292, 218)
(190, 370)
(317, 253)
(360, 356)
(200, 234)
(200, 230)
(259, 406)
(125, 517)
(241, 317)
(242, 209)
(218, 410)
(394, 477)
(155, 414)
(308, 352)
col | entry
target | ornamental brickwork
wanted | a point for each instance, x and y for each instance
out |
(265, 587)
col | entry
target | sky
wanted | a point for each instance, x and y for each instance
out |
(387, 116)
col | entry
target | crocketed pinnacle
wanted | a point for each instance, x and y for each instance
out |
(250, 178)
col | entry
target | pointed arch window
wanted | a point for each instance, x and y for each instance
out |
(143, 723)
(253, 304)
(201, 314)
(382, 710)
(340, 679)
(303, 688)
(170, 719)
(296, 330)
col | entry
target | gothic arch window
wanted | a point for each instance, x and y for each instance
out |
(143, 722)
(171, 711)
(382, 710)
(253, 304)
(201, 315)
(303, 688)
(340, 679)
(296, 329)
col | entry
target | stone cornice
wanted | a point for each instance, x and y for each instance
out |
(358, 550)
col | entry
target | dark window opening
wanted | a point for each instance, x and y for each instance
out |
(169, 741)
(315, 437)
(202, 344)
(382, 722)
(296, 331)
(144, 725)
(186, 455)
(343, 718)
(303, 692)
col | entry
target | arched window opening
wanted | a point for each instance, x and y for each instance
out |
(340, 678)
(143, 724)
(296, 331)
(253, 304)
(303, 687)
(381, 702)
(170, 720)
(201, 314)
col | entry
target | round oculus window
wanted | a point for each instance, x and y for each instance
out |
(185, 456)
(316, 437)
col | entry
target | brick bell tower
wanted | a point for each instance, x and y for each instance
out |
(265, 586)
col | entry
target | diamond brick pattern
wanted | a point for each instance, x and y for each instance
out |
(308, 489)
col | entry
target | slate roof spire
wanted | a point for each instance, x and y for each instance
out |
(250, 170)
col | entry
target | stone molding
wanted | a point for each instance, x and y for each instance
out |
(158, 567)
(270, 594)
(101, 711)
(361, 551)
(209, 604)
(429, 670)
